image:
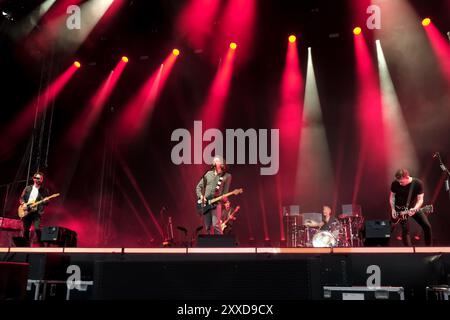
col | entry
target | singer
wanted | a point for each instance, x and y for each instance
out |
(215, 181)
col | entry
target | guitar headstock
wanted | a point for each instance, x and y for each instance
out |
(427, 209)
(237, 191)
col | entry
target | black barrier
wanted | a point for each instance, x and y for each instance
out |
(13, 280)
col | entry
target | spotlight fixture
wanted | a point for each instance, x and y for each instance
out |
(426, 22)
(77, 64)
(357, 31)
(292, 38)
(125, 59)
(233, 45)
(176, 52)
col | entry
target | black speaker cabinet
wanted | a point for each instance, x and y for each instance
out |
(377, 233)
(216, 241)
(59, 236)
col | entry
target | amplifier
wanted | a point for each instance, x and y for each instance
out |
(377, 232)
(60, 236)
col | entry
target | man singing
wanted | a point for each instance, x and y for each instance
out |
(214, 183)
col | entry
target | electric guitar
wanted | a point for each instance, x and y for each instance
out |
(27, 208)
(223, 225)
(204, 206)
(402, 214)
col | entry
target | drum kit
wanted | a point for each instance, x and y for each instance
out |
(344, 232)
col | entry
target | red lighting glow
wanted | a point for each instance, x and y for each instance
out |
(176, 52)
(233, 45)
(77, 64)
(125, 59)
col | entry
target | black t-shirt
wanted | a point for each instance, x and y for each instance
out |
(327, 225)
(402, 192)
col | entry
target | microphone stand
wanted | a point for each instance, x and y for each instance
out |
(447, 173)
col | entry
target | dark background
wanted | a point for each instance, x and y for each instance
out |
(98, 198)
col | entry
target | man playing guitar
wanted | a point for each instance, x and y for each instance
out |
(407, 196)
(33, 193)
(228, 217)
(216, 181)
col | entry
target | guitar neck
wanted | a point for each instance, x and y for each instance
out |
(37, 203)
(231, 215)
(222, 196)
(45, 199)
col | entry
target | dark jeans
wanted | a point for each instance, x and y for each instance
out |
(212, 219)
(422, 220)
(28, 221)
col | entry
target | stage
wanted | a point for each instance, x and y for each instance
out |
(252, 273)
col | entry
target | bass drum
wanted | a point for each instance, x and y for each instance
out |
(324, 239)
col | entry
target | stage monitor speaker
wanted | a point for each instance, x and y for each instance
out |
(216, 241)
(377, 233)
(62, 237)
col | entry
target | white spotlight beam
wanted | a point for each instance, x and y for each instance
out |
(314, 165)
(91, 13)
(25, 26)
(401, 152)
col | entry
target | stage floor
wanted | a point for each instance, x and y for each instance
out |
(240, 250)
(227, 273)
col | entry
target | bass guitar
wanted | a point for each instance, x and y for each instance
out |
(210, 203)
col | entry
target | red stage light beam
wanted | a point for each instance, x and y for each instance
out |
(288, 121)
(139, 109)
(213, 108)
(80, 129)
(441, 48)
(371, 159)
(24, 121)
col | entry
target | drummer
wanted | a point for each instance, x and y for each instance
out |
(327, 220)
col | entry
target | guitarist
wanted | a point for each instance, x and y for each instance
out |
(226, 215)
(215, 182)
(32, 193)
(407, 192)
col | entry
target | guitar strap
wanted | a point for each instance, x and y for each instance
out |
(410, 194)
(204, 181)
(219, 183)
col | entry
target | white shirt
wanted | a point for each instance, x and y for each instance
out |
(34, 194)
